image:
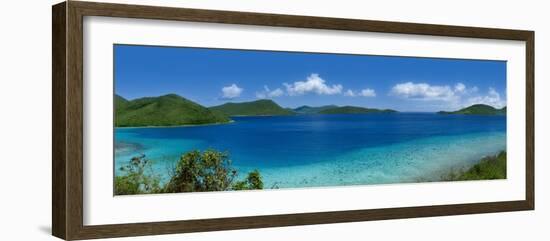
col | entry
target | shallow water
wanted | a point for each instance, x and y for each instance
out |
(328, 150)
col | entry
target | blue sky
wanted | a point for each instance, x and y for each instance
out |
(216, 76)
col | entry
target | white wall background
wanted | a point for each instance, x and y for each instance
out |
(25, 122)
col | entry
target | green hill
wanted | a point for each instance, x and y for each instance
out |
(253, 108)
(167, 110)
(354, 110)
(312, 110)
(120, 104)
(478, 109)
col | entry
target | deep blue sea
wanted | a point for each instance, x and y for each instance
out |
(328, 150)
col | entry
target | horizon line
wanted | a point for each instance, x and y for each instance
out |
(292, 108)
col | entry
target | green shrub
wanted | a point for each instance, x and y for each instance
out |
(493, 167)
(199, 172)
(137, 180)
(253, 181)
(196, 171)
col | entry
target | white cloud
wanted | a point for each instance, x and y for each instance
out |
(231, 92)
(448, 97)
(276, 93)
(492, 98)
(460, 87)
(315, 84)
(267, 93)
(423, 91)
(364, 92)
(349, 93)
(367, 93)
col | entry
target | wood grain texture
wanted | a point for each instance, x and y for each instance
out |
(138, 229)
(279, 20)
(530, 120)
(75, 106)
(67, 78)
(59, 191)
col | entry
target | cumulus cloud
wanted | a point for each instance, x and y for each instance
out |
(367, 93)
(275, 93)
(231, 92)
(349, 93)
(454, 97)
(460, 88)
(364, 92)
(267, 93)
(423, 91)
(313, 84)
(492, 98)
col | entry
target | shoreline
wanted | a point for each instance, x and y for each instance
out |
(487, 165)
(326, 173)
(259, 115)
(175, 126)
(296, 114)
(391, 164)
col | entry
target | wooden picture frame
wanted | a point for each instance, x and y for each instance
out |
(67, 152)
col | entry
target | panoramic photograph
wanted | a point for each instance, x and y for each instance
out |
(192, 119)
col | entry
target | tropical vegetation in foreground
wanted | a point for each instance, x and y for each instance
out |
(212, 170)
(196, 171)
(489, 168)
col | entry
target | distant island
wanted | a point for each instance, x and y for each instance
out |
(354, 110)
(166, 110)
(174, 110)
(334, 109)
(306, 109)
(477, 109)
(262, 107)
(269, 107)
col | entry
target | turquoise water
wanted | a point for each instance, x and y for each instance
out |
(328, 150)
